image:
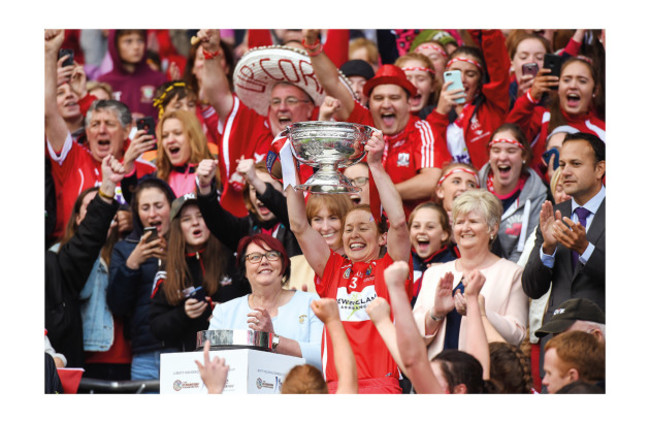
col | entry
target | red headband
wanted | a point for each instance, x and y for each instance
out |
(515, 142)
(464, 59)
(459, 169)
(435, 47)
(419, 68)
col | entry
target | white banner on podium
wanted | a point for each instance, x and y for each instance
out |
(251, 371)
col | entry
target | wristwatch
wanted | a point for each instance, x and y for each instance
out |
(275, 340)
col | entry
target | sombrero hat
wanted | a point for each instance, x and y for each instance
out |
(262, 67)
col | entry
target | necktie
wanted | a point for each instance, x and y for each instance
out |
(582, 218)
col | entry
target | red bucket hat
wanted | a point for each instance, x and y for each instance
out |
(389, 74)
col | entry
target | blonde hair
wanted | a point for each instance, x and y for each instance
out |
(195, 136)
(481, 201)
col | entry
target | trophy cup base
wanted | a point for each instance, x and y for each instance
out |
(328, 181)
(329, 189)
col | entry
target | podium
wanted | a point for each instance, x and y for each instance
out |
(251, 371)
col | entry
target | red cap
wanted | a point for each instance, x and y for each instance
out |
(389, 74)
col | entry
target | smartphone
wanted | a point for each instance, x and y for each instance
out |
(148, 124)
(456, 83)
(198, 294)
(154, 233)
(67, 52)
(547, 156)
(529, 69)
(554, 63)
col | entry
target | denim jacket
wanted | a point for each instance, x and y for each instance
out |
(95, 314)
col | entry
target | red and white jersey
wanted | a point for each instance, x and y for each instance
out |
(354, 286)
(408, 151)
(74, 169)
(243, 133)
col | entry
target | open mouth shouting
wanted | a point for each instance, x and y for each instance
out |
(284, 120)
(175, 154)
(415, 102)
(573, 102)
(422, 243)
(388, 119)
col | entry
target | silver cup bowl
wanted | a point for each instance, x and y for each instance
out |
(328, 146)
(225, 339)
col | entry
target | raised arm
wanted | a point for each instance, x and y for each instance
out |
(312, 243)
(399, 246)
(328, 74)
(56, 130)
(346, 366)
(228, 228)
(409, 342)
(215, 86)
(379, 312)
(78, 255)
(477, 342)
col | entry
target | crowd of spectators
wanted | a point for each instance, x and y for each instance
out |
(471, 259)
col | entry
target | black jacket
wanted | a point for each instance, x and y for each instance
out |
(585, 281)
(171, 324)
(230, 229)
(66, 273)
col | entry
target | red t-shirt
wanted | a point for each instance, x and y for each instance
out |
(354, 286)
(74, 169)
(243, 133)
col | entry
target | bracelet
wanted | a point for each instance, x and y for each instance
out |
(310, 46)
(434, 317)
(104, 195)
(317, 46)
(315, 53)
(208, 56)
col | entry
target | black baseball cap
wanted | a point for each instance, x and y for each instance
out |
(568, 312)
(357, 68)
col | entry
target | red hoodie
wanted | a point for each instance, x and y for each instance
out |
(136, 89)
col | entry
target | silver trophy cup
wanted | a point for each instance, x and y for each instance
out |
(328, 146)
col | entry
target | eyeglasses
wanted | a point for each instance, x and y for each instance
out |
(257, 257)
(359, 181)
(289, 101)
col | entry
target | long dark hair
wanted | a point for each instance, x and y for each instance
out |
(179, 276)
(148, 181)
